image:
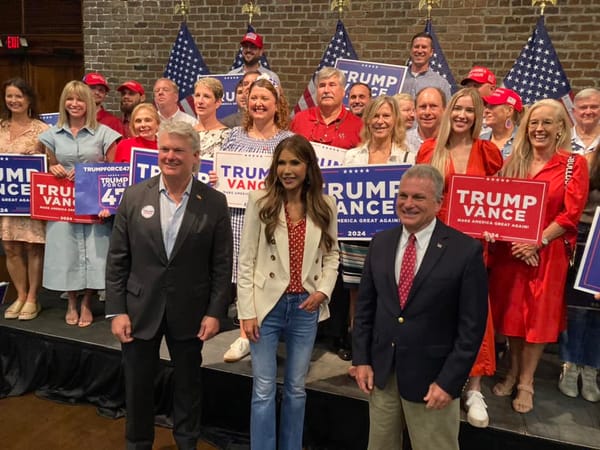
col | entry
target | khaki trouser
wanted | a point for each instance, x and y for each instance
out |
(429, 429)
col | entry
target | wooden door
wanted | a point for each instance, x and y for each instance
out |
(49, 74)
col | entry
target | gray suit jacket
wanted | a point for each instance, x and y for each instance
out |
(195, 281)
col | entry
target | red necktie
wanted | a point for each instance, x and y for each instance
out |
(407, 270)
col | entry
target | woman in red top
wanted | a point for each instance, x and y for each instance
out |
(527, 281)
(459, 150)
(144, 126)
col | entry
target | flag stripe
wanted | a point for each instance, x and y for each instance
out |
(339, 46)
(185, 66)
(537, 73)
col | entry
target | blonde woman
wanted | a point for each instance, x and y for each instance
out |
(75, 256)
(458, 150)
(208, 97)
(527, 281)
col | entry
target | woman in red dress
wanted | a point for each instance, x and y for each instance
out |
(527, 281)
(458, 150)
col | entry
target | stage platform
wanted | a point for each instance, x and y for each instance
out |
(83, 365)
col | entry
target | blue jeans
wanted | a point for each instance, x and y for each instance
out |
(299, 329)
(580, 342)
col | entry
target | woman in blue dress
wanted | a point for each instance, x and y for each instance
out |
(75, 255)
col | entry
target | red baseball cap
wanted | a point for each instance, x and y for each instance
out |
(505, 96)
(95, 79)
(253, 38)
(480, 75)
(132, 85)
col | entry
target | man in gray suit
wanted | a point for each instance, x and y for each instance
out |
(168, 274)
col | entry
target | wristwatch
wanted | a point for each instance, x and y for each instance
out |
(545, 241)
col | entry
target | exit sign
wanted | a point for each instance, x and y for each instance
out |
(13, 42)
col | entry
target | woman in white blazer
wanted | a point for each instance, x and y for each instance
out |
(288, 265)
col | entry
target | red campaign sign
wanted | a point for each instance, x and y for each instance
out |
(54, 199)
(510, 209)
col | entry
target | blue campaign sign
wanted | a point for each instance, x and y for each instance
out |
(366, 198)
(144, 165)
(229, 106)
(99, 186)
(588, 276)
(49, 118)
(15, 179)
(384, 79)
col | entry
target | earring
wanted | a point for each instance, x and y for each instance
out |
(558, 136)
(508, 124)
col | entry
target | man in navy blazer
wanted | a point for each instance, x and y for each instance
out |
(168, 273)
(413, 361)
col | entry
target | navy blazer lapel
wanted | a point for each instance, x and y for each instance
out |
(194, 207)
(435, 250)
(391, 263)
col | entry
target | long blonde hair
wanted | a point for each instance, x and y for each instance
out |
(441, 158)
(398, 134)
(81, 90)
(517, 165)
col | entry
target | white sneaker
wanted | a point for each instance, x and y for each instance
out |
(476, 409)
(238, 350)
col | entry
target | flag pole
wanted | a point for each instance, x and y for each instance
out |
(340, 5)
(430, 4)
(252, 9)
(542, 4)
(183, 8)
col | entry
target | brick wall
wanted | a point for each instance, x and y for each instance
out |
(132, 38)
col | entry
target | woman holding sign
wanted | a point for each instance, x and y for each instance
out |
(208, 96)
(458, 150)
(527, 281)
(580, 342)
(287, 270)
(22, 238)
(383, 137)
(264, 126)
(75, 255)
(143, 126)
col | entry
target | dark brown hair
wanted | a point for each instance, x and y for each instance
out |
(312, 192)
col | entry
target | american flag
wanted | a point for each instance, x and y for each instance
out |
(537, 72)
(339, 47)
(184, 67)
(438, 62)
(239, 59)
